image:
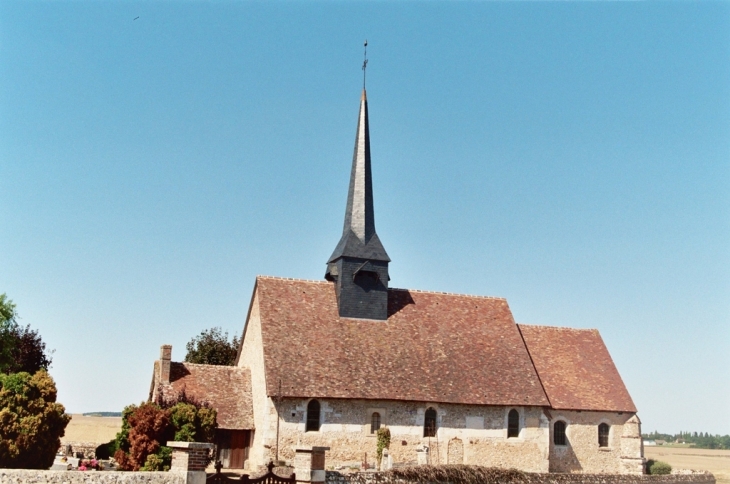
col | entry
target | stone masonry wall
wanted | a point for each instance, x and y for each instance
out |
(582, 453)
(252, 357)
(345, 428)
(22, 476)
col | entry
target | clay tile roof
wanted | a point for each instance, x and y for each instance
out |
(225, 388)
(576, 369)
(434, 347)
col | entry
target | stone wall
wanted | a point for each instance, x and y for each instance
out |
(252, 357)
(333, 477)
(87, 449)
(623, 454)
(466, 434)
(23, 476)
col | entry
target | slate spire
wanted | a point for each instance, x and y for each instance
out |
(358, 234)
(359, 263)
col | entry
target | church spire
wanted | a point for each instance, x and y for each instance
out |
(359, 238)
(359, 264)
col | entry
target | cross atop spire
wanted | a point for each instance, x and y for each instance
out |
(364, 65)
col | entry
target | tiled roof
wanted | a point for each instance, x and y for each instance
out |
(434, 347)
(225, 388)
(576, 369)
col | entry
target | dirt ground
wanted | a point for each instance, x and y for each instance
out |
(715, 461)
(92, 429)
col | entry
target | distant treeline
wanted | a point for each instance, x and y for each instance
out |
(699, 439)
(102, 414)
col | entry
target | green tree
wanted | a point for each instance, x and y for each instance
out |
(211, 347)
(21, 348)
(31, 422)
(7, 326)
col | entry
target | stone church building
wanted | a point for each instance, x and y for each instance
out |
(454, 378)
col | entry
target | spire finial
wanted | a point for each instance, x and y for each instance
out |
(364, 64)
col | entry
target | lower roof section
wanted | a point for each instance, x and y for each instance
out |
(576, 369)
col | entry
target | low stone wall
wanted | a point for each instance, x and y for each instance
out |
(87, 449)
(23, 476)
(334, 477)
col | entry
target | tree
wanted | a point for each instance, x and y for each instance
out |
(21, 348)
(7, 325)
(211, 347)
(31, 422)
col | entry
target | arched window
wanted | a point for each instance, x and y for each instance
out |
(603, 435)
(374, 422)
(429, 423)
(513, 423)
(313, 416)
(559, 437)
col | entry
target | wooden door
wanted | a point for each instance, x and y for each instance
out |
(239, 448)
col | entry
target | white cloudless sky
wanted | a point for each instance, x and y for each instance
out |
(573, 157)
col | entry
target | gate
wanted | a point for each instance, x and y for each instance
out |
(268, 478)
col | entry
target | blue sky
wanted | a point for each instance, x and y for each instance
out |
(573, 157)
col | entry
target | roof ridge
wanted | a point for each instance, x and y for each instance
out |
(557, 327)
(422, 291)
(296, 279)
(227, 367)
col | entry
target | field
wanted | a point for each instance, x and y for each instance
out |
(715, 461)
(92, 429)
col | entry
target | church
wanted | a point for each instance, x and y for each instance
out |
(453, 377)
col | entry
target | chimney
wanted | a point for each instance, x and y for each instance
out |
(165, 357)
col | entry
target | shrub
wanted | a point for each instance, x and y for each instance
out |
(657, 467)
(145, 428)
(31, 422)
(105, 451)
(383, 434)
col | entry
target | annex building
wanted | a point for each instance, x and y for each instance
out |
(454, 378)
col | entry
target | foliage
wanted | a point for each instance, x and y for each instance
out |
(383, 434)
(160, 461)
(7, 325)
(657, 467)
(105, 451)
(21, 348)
(147, 426)
(211, 347)
(699, 440)
(456, 474)
(31, 422)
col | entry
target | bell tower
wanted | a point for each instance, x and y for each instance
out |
(359, 264)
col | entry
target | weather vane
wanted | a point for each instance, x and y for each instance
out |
(364, 63)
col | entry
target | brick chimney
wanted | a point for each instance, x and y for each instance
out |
(165, 357)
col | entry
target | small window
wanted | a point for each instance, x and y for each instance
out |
(513, 423)
(429, 423)
(603, 435)
(313, 416)
(559, 437)
(374, 422)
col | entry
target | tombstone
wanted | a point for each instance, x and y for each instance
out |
(422, 455)
(386, 462)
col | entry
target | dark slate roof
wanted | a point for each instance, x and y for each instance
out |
(358, 234)
(225, 388)
(576, 369)
(434, 347)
